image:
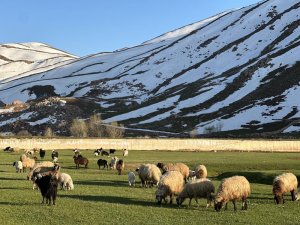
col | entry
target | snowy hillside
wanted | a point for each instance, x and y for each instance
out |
(238, 71)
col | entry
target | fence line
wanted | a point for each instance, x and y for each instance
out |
(155, 144)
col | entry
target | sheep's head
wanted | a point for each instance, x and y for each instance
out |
(218, 206)
(294, 196)
(179, 201)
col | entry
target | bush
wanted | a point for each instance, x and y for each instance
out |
(114, 130)
(95, 126)
(79, 128)
(48, 132)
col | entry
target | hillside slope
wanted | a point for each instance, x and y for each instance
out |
(238, 71)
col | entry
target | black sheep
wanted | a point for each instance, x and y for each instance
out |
(102, 162)
(48, 186)
(42, 153)
(112, 151)
(104, 153)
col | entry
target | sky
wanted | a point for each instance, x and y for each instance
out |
(84, 27)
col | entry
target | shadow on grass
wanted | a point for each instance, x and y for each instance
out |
(111, 199)
(252, 177)
(108, 183)
(16, 203)
(13, 188)
(8, 178)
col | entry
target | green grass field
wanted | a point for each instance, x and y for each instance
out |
(103, 197)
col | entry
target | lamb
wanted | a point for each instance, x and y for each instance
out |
(19, 166)
(203, 188)
(27, 162)
(284, 183)
(149, 174)
(102, 162)
(113, 162)
(42, 153)
(131, 179)
(125, 152)
(65, 181)
(171, 183)
(232, 189)
(200, 171)
(80, 160)
(181, 167)
(120, 166)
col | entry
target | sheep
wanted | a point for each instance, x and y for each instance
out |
(80, 160)
(19, 166)
(202, 188)
(125, 152)
(192, 175)
(54, 154)
(9, 149)
(55, 159)
(48, 186)
(131, 179)
(200, 171)
(112, 151)
(284, 183)
(181, 167)
(42, 153)
(102, 162)
(232, 189)
(77, 152)
(171, 183)
(65, 181)
(27, 162)
(149, 174)
(29, 152)
(40, 168)
(120, 166)
(104, 153)
(113, 162)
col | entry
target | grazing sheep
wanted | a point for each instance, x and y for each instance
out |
(131, 179)
(125, 152)
(104, 153)
(181, 167)
(97, 152)
(102, 162)
(42, 153)
(113, 162)
(42, 167)
(232, 189)
(284, 183)
(9, 149)
(54, 154)
(19, 166)
(55, 159)
(29, 152)
(80, 160)
(112, 151)
(48, 186)
(171, 183)
(200, 171)
(202, 188)
(27, 162)
(65, 181)
(149, 174)
(120, 166)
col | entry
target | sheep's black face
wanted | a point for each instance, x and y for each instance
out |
(277, 199)
(218, 206)
(294, 196)
(179, 201)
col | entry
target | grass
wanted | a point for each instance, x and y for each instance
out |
(103, 197)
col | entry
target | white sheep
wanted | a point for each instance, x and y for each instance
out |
(19, 166)
(125, 152)
(200, 171)
(284, 183)
(232, 189)
(202, 188)
(181, 167)
(131, 179)
(149, 174)
(27, 162)
(66, 182)
(113, 162)
(171, 183)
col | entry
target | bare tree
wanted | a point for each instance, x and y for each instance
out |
(193, 133)
(48, 132)
(24, 133)
(95, 126)
(79, 128)
(114, 130)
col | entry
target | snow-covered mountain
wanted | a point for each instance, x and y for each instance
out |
(238, 71)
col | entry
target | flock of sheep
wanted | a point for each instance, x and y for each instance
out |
(170, 179)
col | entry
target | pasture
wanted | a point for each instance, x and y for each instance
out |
(103, 197)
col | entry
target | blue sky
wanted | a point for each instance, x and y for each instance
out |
(92, 26)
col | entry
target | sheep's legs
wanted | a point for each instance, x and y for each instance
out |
(234, 205)
(282, 199)
(196, 199)
(244, 204)
(225, 206)
(190, 202)
(171, 199)
(293, 195)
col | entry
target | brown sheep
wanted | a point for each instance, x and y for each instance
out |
(27, 162)
(285, 183)
(120, 166)
(181, 167)
(80, 160)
